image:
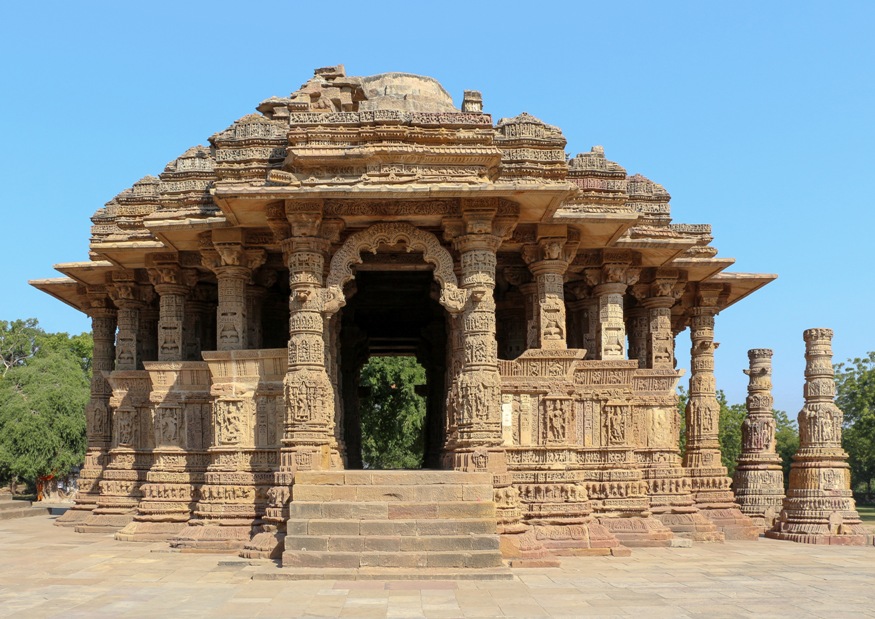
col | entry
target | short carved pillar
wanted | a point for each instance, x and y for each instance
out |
(256, 292)
(660, 340)
(758, 480)
(609, 287)
(529, 291)
(710, 481)
(97, 414)
(819, 508)
(548, 261)
(127, 300)
(172, 285)
(638, 325)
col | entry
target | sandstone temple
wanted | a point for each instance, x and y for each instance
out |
(236, 296)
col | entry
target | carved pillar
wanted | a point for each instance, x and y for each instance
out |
(664, 290)
(638, 326)
(529, 291)
(172, 285)
(758, 480)
(820, 507)
(195, 339)
(548, 261)
(479, 383)
(97, 413)
(609, 287)
(710, 481)
(129, 454)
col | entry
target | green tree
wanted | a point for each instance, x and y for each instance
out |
(392, 415)
(855, 395)
(43, 392)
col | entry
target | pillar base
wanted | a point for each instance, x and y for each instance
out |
(268, 544)
(75, 516)
(105, 521)
(691, 525)
(638, 532)
(575, 539)
(138, 531)
(214, 536)
(733, 524)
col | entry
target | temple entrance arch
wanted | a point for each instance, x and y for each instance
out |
(395, 311)
(341, 270)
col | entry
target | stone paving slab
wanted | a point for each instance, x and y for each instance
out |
(48, 571)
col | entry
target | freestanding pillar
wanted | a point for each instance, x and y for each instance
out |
(819, 508)
(759, 481)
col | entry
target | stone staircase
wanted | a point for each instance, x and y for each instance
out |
(10, 508)
(415, 521)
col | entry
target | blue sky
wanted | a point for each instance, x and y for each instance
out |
(758, 117)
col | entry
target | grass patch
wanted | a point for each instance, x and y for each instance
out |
(867, 513)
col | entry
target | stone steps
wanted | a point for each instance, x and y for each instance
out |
(421, 520)
(11, 509)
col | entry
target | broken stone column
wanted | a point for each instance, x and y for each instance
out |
(820, 508)
(759, 481)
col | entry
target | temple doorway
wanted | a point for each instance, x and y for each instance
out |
(394, 323)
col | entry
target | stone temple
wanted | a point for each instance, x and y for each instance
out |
(236, 296)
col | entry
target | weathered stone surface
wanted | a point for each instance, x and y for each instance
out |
(250, 281)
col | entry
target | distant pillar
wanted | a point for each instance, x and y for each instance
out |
(758, 480)
(548, 261)
(609, 287)
(820, 508)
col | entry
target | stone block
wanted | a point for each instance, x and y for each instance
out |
(304, 511)
(394, 559)
(300, 558)
(357, 511)
(386, 493)
(306, 542)
(465, 510)
(333, 527)
(405, 511)
(438, 492)
(388, 527)
(327, 493)
(454, 526)
(478, 492)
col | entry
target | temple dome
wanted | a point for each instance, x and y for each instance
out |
(405, 92)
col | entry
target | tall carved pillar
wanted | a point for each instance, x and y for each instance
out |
(479, 383)
(97, 414)
(820, 508)
(710, 481)
(548, 261)
(232, 498)
(180, 412)
(129, 455)
(758, 480)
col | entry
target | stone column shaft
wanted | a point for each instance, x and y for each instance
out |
(660, 340)
(611, 336)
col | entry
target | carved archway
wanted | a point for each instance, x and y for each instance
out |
(340, 272)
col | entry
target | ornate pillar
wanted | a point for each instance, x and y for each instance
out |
(638, 326)
(665, 289)
(820, 508)
(128, 457)
(233, 265)
(548, 261)
(97, 413)
(173, 285)
(609, 287)
(194, 329)
(710, 481)
(758, 480)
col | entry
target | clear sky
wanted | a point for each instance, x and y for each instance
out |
(758, 117)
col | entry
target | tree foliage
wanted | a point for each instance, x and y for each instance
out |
(44, 389)
(855, 395)
(392, 415)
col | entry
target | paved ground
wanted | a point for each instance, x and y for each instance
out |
(48, 571)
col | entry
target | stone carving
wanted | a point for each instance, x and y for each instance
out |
(251, 322)
(819, 507)
(759, 481)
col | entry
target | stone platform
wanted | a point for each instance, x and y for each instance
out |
(11, 509)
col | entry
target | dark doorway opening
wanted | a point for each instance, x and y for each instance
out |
(393, 314)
